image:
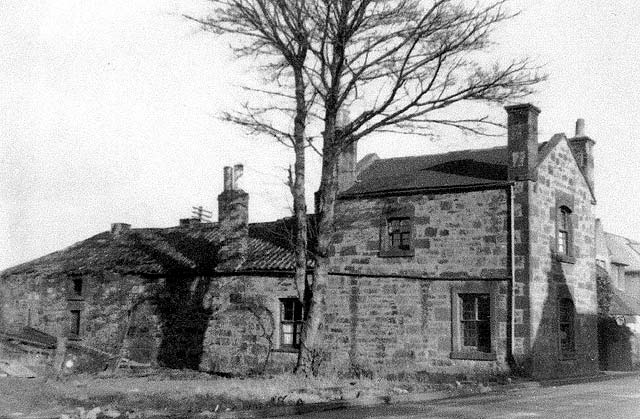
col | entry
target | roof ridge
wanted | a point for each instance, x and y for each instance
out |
(632, 241)
(441, 154)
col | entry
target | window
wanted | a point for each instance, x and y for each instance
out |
(291, 320)
(399, 233)
(77, 286)
(397, 230)
(564, 225)
(564, 234)
(566, 331)
(475, 322)
(471, 322)
(75, 323)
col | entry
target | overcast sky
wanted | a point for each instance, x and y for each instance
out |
(107, 114)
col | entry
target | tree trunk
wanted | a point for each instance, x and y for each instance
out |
(311, 348)
(297, 185)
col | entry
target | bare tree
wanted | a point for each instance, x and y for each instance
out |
(400, 63)
(275, 33)
(394, 64)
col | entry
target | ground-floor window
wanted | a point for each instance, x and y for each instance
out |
(475, 322)
(291, 320)
(566, 330)
(471, 323)
(74, 329)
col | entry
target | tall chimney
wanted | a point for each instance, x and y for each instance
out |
(583, 149)
(348, 157)
(233, 219)
(522, 143)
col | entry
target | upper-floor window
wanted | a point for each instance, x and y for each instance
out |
(77, 286)
(564, 234)
(396, 235)
(566, 314)
(564, 225)
(399, 230)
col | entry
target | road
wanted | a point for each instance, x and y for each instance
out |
(611, 399)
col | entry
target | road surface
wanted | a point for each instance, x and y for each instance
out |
(611, 399)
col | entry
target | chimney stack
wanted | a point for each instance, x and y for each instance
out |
(118, 229)
(233, 218)
(582, 147)
(522, 143)
(190, 222)
(348, 157)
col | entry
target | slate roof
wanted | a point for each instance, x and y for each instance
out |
(155, 252)
(465, 168)
(623, 304)
(30, 336)
(623, 251)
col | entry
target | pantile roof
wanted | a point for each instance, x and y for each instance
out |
(144, 251)
(166, 251)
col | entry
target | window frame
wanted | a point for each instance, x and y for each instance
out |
(295, 322)
(564, 227)
(570, 322)
(458, 349)
(76, 288)
(75, 324)
(390, 215)
(478, 321)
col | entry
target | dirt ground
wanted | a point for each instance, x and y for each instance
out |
(179, 393)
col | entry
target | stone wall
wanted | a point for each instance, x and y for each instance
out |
(391, 315)
(455, 235)
(550, 278)
(243, 334)
(160, 321)
(34, 299)
(45, 302)
(388, 326)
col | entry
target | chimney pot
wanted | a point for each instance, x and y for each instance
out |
(580, 127)
(228, 178)
(238, 170)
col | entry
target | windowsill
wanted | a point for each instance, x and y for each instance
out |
(286, 350)
(75, 298)
(396, 253)
(473, 355)
(560, 257)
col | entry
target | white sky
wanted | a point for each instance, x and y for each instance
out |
(107, 114)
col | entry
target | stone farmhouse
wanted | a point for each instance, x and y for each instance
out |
(470, 262)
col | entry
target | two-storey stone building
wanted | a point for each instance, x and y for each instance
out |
(476, 261)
